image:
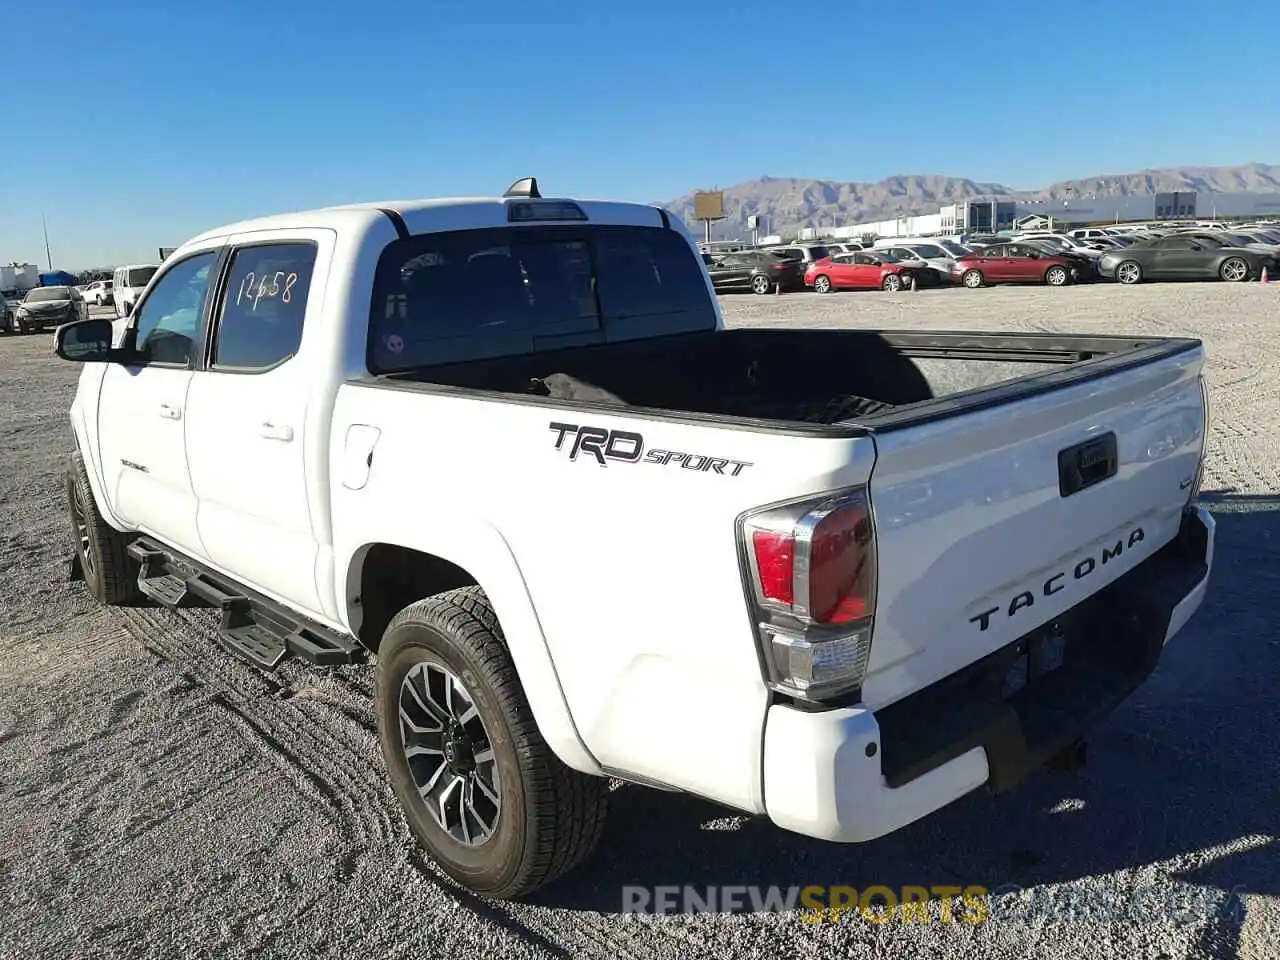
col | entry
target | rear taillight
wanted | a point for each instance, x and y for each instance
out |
(812, 569)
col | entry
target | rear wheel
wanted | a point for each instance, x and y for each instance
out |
(481, 790)
(892, 283)
(761, 284)
(822, 284)
(973, 279)
(1234, 270)
(1056, 276)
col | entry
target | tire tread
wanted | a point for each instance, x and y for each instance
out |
(117, 571)
(567, 808)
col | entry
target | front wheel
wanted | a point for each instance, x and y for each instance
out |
(1234, 270)
(822, 284)
(1056, 276)
(100, 550)
(481, 790)
(892, 283)
(972, 279)
(760, 284)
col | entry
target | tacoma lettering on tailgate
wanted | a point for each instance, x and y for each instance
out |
(625, 446)
(1026, 599)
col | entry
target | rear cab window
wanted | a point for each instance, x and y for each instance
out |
(473, 294)
(260, 316)
(139, 276)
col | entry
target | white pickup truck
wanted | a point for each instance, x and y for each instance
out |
(506, 446)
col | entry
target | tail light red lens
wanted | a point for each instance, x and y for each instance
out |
(775, 564)
(813, 579)
(840, 566)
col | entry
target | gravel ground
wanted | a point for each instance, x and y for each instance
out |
(158, 798)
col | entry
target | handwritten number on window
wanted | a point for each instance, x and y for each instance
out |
(254, 289)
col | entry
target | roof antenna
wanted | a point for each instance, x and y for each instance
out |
(526, 187)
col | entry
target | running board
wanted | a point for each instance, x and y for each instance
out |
(254, 627)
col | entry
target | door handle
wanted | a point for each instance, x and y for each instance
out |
(170, 412)
(270, 431)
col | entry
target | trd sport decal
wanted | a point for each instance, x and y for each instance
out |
(623, 446)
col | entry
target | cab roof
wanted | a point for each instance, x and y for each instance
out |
(426, 215)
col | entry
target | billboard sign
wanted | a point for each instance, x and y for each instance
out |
(708, 205)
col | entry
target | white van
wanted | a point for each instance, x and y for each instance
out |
(128, 283)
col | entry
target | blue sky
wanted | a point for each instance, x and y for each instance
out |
(181, 116)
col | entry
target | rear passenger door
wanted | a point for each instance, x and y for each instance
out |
(253, 451)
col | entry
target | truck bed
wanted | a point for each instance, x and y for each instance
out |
(802, 379)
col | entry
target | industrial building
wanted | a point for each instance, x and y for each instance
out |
(19, 277)
(992, 216)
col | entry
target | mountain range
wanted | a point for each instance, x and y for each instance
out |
(787, 203)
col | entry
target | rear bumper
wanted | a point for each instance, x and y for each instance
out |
(850, 775)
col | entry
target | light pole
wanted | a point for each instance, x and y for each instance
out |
(47, 255)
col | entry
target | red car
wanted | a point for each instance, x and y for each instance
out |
(1012, 263)
(867, 270)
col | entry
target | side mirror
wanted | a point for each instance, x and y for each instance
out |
(85, 341)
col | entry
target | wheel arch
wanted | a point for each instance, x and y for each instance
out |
(385, 575)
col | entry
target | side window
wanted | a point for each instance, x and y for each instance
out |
(168, 320)
(260, 317)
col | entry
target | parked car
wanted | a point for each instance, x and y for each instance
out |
(45, 307)
(1180, 257)
(1085, 261)
(1223, 238)
(867, 270)
(928, 255)
(1014, 263)
(98, 293)
(1060, 243)
(753, 270)
(127, 284)
(802, 253)
(1090, 233)
(479, 437)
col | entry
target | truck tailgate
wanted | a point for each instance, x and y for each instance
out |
(994, 521)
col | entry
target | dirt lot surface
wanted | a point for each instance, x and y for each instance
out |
(159, 799)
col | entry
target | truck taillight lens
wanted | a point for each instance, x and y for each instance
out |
(775, 564)
(813, 575)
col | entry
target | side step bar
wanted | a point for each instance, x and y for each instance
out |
(254, 627)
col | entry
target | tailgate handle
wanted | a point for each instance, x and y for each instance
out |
(1087, 463)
